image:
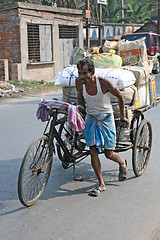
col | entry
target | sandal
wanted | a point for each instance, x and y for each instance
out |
(123, 173)
(95, 192)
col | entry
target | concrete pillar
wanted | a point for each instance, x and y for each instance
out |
(4, 72)
(16, 73)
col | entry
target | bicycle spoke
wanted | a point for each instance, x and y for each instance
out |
(142, 147)
(35, 171)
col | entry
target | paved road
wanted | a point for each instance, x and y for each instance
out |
(126, 211)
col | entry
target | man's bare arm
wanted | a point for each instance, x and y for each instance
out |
(80, 98)
(115, 91)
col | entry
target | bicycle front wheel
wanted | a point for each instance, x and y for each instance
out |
(35, 170)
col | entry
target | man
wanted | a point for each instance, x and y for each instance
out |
(93, 96)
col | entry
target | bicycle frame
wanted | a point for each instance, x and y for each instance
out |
(53, 134)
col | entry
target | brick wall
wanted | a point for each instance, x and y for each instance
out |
(10, 36)
(14, 17)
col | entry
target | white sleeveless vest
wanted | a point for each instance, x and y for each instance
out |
(99, 103)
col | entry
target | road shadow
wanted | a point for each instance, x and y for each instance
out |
(61, 188)
(60, 184)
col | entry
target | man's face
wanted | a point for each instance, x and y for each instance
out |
(84, 74)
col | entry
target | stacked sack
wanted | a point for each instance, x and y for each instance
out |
(133, 52)
(103, 60)
(66, 78)
(124, 80)
(143, 97)
(135, 59)
(106, 60)
(130, 72)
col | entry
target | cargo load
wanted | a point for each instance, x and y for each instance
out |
(106, 60)
(141, 74)
(77, 54)
(109, 45)
(133, 52)
(121, 78)
(67, 77)
(133, 79)
(103, 60)
(129, 95)
(69, 95)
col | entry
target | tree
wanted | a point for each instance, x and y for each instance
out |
(111, 12)
(136, 12)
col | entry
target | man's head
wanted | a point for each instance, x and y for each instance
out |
(86, 61)
(85, 69)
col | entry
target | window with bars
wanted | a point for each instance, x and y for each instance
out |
(66, 31)
(39, 43)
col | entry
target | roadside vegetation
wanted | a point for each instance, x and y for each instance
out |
(14, 89)
(34, 86)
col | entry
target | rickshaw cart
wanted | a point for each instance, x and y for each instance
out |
(71, 149)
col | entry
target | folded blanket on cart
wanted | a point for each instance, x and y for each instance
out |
(74, 119)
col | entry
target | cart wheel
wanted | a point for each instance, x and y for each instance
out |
(134, 126)
(35, 170)
(66, 135)
(142, 147)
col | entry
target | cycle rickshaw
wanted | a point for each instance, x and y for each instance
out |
(71, 149)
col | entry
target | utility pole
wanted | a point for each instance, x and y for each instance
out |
(87, 24)
(122, 5)
(100, 24)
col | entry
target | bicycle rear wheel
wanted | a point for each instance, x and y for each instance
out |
(35, 170)
(142, 147)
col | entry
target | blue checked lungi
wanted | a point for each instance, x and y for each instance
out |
(100, 131)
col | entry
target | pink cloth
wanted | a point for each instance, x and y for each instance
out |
(75, 120)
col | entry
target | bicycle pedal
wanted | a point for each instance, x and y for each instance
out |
(78, 177)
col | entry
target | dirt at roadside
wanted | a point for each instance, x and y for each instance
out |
(18, 96)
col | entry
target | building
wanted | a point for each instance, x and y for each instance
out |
(36, 41)
(150, 26)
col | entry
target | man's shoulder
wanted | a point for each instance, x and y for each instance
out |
(78, 83)
(103, 80)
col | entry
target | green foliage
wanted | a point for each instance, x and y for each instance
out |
(111, 12)
(134, 11)
(137, 12)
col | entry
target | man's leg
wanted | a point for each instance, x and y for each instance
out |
(122, 163)
(110, 154)
(96, 164)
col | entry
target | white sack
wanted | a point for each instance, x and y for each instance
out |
(67, 76)
(120, 77)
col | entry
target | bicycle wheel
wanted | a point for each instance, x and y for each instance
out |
(142, 147)
(35, 170)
